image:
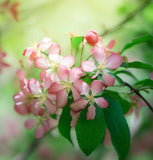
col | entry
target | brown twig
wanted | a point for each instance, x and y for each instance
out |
(128, 18)
(138, 93)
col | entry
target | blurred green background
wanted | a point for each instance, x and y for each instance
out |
(55, 19)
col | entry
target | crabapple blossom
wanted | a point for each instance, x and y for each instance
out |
(66, 79)
(104, 61)
(91, 37)
(89, 98)
(37, 50)
(136, 105)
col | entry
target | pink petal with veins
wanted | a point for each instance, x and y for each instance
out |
(76, 94)
(99, 53)
(61, 99)
(52, 97)
(54, 49)
(95, 76)
(46, 126)
(88, 66)
(42, 75)
(90, 113)
(101, 102)
(114, 61)
(51, 108)
(47, 82)
(44, 44)
(62, 72)
(108, 79)
(68, 61)
(19, 97)
(96, 86)
(82, 87)
(20, 108)
(75, 74)
(41, 62)
(75, 119)
(34, 86)
(36, 108)
(54, 88)
(30, 123)
(39, 132)
(30, 53)
(78, 105)
(111, 44)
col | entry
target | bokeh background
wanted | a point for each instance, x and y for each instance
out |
(37, 19)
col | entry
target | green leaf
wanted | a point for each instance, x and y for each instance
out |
(143, 39)
(139, 65)
(127, 73)
(90, 132)
(64, 125)
(118, 128)
(76, 41)
(144, 83)
(125, 105)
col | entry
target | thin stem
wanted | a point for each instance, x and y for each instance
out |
(44, 53)
(138, 93)
(82, 53)
(128, 18)
(89, 57)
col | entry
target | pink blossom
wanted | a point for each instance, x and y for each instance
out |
(80, 103)
(62, 88)
(43, 127)
(36, 50)
(91, 37)
(137, 103)
(104, 61)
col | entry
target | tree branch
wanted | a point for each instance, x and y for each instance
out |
(138, 93)
(128, 18)
(29, 150)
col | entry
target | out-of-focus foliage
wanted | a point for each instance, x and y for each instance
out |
(55, 19)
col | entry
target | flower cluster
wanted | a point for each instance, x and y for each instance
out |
(61, 80)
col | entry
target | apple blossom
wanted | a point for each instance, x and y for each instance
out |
(91, 37)
(89, 98)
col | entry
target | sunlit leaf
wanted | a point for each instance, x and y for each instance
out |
(125, 105)
(76, 41)
(145, 83)
(118, 128)
(90, 132)
(143, 39)
(139, 65)
(65, 121)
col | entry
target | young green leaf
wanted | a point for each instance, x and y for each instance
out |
(76, 41)
(125, 105)
(127, 73)
(90, 132)
(64, 125)
(144, 83)
(118, 128)
(139, 65)
(143, 39)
